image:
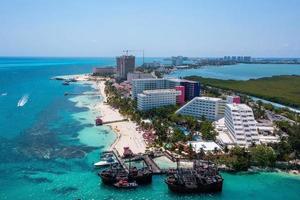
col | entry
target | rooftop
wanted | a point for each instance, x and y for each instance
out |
(169, 79)
(206, 146)
(148, 79)
(209, 98)
(238, 107)
(159, 91)
(182, 80)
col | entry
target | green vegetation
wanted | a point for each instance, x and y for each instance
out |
(262, 156)
(240, 159)
(169, 128)
(207, 130)
(289, 147)
(280, 89)
(167, 125)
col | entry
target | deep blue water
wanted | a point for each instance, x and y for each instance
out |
(52, 125)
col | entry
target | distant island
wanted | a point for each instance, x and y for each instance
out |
(284, 89)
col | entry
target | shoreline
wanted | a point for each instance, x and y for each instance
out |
(126, 132)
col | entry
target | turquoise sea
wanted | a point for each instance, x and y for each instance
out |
(49, 144)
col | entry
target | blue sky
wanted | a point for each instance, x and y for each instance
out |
(261, 28)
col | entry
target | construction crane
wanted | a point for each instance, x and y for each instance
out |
(130, 50)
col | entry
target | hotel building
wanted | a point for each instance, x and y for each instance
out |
(150, 99)
(125, 64)
(240, 122)
(191, 88)
(211, 108)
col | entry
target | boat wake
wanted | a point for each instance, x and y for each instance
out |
(3, 94)
(23, 100)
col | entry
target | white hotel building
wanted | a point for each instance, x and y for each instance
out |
(139, 85)
(209, 107)
(156, 98)
(241, 125)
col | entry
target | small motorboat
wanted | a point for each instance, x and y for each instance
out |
(66, 83)
(72, 80)
(123, 183)
(105, 162)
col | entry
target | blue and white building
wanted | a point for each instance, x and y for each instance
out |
(150, 99)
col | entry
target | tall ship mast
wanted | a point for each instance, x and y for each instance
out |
(204, 177)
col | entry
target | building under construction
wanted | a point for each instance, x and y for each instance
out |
(125, 64)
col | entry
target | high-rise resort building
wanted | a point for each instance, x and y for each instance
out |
(208, 107)
(138, 75)
(191, 88)
(240, 122)
(125, 64)
(156, 98)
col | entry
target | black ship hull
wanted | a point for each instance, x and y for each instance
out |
(142, 179)
(111, 179)
(207, 188)
(108, 180)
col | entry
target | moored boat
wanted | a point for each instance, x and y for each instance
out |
(203, 178)
(105, 162)
(66, 83)
(141, 176)
(112, 175)
(124, 183)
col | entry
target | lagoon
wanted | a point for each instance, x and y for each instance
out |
(239, 71)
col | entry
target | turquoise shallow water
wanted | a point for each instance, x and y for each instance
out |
(64, 122)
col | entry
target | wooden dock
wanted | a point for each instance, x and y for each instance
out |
(114, 121)
(87, 94)
(120, 160)
(151, 164)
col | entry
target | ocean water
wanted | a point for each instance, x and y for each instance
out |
(49, 145)
(240, 71)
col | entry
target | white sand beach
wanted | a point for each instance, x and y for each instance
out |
(127, 133)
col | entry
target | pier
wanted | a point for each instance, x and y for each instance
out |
(152, 165)
(120, 160)
(88, 94)
(114, 121)
(148, 161)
